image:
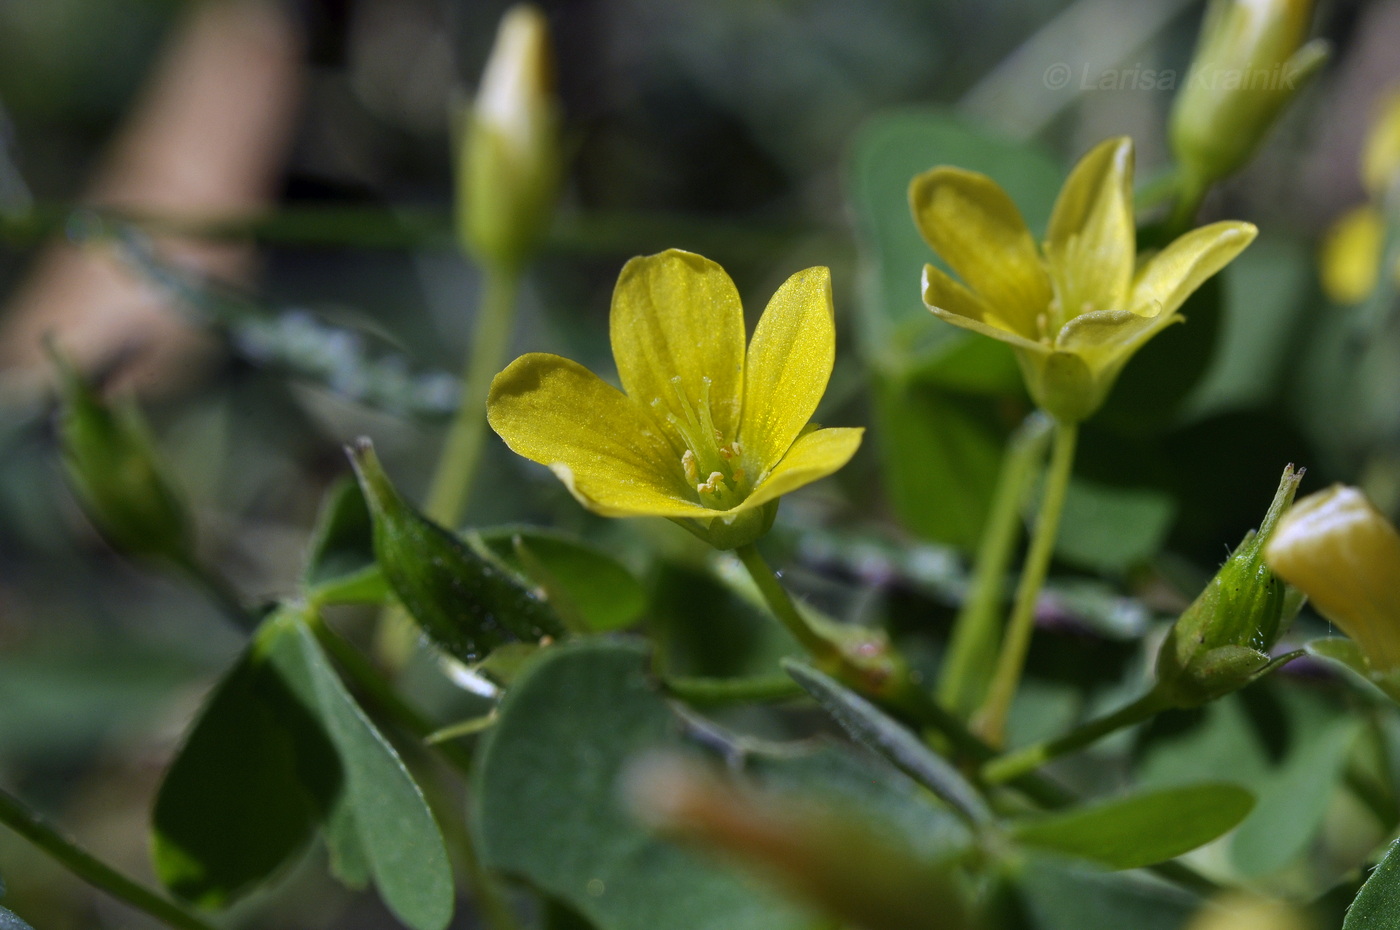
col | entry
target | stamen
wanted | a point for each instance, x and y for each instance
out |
(692, 472)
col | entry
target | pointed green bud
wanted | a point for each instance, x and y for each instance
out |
(1221, 642)
(466, 603)
(110, 459)
(509, 162)
(1250, 61)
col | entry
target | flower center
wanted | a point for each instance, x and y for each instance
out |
(712, 462)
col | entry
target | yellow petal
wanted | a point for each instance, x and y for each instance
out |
(1105, 340)
(1351, 255)
(676, 315)
(975, 227)
(599, 442)
(1091, 241)
(789, 362)
(814, 455)
(1174, 273)
(1336, 548)
(950, 301)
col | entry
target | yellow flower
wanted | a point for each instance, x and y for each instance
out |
(1345, 556)
(705, 433)
(1076, 311)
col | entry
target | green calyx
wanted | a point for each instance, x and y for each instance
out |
(1221, 642)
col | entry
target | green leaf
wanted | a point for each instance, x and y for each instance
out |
(279, 749)
(928, 438)
(547, 808)
(605, 594)
(247, 788)
(1110, 529)
(8, 921)
(348, 859)
(1377, 905)
(1061, 895)
(1294, 801)
(397, 833)
(897, 331)
(872, 727)
(466, 604)
(1141, 829)
(340, 566)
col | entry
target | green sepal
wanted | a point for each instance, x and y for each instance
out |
(110, 459)
(466, 603)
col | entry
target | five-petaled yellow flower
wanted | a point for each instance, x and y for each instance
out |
(1076, 311)
(705, 433)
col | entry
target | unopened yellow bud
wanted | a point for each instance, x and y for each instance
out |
(1336, 548)
(1380, 159)
(508, 172)
(1250, 61)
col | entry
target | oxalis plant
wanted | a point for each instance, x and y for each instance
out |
(680, 735)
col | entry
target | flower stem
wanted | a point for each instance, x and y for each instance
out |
(18, 816)
(781, 603)
(461, 450)
(973, 647)
(991, 718)
(1013, 765)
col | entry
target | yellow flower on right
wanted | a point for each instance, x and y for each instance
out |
(1075, 310)
(1341, 552)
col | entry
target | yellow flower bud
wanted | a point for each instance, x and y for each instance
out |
(1336, 548)
(1351, 255)
(508, 170)
(1380, 159)
(1250, 61)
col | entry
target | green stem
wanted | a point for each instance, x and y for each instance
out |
(712, 692)
(991, 719)
(782, 606)
(16, 815)
(1191, 190)
(1012, 765)
(973, 647)
(217, 588)
(490, 899)
(461, 450)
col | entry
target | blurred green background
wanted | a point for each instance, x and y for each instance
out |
(769, 135)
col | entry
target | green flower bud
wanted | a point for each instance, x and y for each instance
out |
(465, 602)
(1250, 62)
(1221, 642)
(110, 460)
(509, 165)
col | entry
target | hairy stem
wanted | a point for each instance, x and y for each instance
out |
(18, 816)
(1013, 765)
